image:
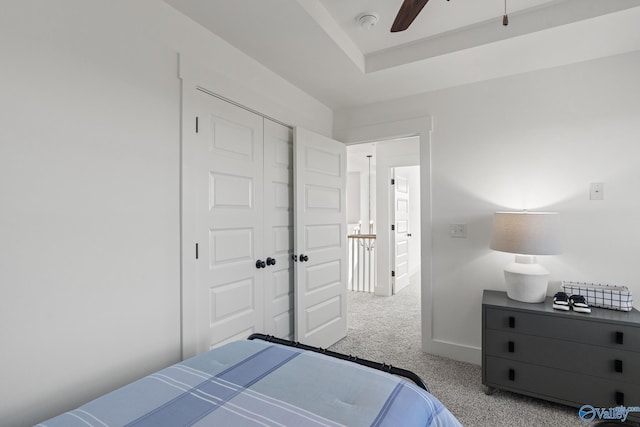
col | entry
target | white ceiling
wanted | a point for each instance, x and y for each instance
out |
(319, 46)
(439, 16)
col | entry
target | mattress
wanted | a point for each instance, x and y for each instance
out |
(249, 383)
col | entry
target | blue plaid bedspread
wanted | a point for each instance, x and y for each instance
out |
(255, 383)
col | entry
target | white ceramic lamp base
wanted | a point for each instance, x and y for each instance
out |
(526, 280)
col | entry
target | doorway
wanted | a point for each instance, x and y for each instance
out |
(372, 127)
(377, 201)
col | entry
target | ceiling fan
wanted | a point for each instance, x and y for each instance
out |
(410, 9)
(407, 13)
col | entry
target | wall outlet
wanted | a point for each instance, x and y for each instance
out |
(458, 230)
(596, 191)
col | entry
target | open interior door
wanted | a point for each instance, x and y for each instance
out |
(320, 242)
(401, 233)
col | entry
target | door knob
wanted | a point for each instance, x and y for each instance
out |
(304, 258)
(271, 261)
(260, 264)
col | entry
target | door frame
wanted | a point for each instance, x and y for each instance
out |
(421, 127)
(194, 73)
(188, 231)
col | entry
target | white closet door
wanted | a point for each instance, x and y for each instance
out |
(229, 295)
(320, 239)
(401, 234)
(278, 223)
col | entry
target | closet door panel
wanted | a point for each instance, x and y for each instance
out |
(229, 170)
(278, 220)
(320, 240)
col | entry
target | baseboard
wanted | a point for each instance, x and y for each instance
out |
(455, 351)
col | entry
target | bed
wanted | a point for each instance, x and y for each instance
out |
(268, 382)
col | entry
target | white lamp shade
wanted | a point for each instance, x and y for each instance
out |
(526, 233)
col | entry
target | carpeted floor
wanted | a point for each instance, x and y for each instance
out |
(388, 330)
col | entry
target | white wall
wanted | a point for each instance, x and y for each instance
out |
(358, 166)
(532, 141)
(353, 199)
(89, 191)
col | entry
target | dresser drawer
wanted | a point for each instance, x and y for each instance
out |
(564, 326)
(604, 362)
(555, 384)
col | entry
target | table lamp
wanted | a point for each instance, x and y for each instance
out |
(526, 234)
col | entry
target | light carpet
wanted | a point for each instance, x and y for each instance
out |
(387, 329)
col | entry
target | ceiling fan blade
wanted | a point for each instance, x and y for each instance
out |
(407, 13)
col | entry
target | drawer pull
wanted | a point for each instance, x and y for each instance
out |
(618, 365)
(619, 337)
(512, 347)
(512, 322)
(512, 375)
(619, 398)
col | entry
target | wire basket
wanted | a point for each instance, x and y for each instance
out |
(614, 297)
